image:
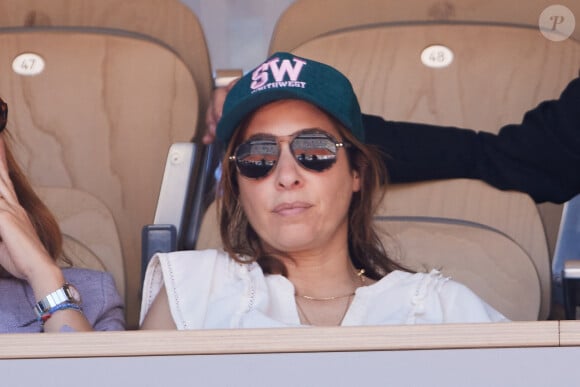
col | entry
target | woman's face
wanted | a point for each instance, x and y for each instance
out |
(293, 209)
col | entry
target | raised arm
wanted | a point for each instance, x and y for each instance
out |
(539, 156)
(23, 255)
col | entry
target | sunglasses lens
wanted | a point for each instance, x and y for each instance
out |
(314, 150)
(256, 158)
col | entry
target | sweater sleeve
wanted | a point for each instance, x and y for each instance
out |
(111, 316)
(538, 156)
(101, 302)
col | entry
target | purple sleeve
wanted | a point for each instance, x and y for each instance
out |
(112, 315)
(101, 302)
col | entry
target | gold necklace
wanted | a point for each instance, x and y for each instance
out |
(310, 298)
(301, 312)
(359, 274)
(307, 320)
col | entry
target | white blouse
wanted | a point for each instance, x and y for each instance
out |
(209, 290)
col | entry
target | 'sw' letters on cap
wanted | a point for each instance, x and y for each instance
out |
(287, 76)
(287, 67)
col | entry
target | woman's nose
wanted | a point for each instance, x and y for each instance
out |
(288, 172)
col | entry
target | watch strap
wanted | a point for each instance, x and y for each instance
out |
(59, 296)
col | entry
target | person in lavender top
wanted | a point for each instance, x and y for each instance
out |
(36, 293)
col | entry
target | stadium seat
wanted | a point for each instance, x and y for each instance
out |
(98, 92)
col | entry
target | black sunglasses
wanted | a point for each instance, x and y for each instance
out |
(3, 114)
(313, 149)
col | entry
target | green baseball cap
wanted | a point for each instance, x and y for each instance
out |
(287, 76)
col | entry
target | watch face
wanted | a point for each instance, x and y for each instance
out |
(73, 293)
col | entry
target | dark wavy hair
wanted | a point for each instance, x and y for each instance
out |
(42, 219)
(366, 250)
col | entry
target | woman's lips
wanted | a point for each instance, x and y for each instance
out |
(294, 208)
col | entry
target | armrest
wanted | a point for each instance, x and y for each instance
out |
(566, 261)
(570, 287)
(156, 238)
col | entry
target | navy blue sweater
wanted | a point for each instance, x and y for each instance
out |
(539, 156)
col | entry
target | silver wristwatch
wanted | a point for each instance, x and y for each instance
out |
(67, 293)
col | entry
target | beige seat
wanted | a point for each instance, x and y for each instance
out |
(91, 239)
(122, 81)
(209, 232)
(502, 66)
(490, 240)
(468, 253)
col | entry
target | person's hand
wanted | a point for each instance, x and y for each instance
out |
(214, 111)
(22, 254)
